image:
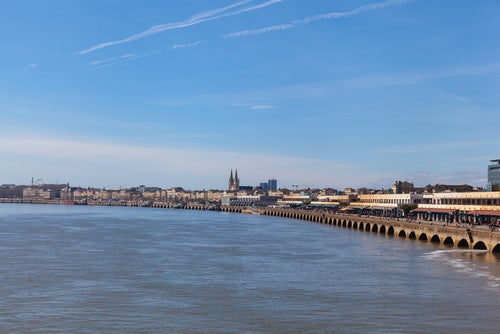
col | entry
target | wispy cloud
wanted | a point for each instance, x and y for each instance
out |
(101, 63)
(188, 45)
(411, 78)
(429, 147)
(273, 97)
(211, 15)
(31, 66)
(262, 107)
(471, 177)
(456, 97)
(326, 16)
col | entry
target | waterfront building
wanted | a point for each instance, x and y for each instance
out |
(460, 207)
(294, 200)
(494, 176)
(38, 193)
(337, 199)
(383, 204)
(231, 200)
(43, 192)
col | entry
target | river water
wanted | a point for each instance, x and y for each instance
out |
(78, 269)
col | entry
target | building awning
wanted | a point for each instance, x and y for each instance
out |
(432, 210)
(349, 208)
(484, 213)
(375, 207)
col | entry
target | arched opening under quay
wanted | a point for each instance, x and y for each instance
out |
(344, 223)
(361, 226)
(423, 237)
(349, 224)
(448, 242)
(355, 225)
(463, 244)
(390, 231)
(480, 245)
(375, 228)
(412, 236)
(496, 249)
(435, 239)
(367, 227)
(402, 234)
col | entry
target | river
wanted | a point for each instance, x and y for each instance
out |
(80, 269)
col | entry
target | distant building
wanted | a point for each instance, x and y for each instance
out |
(494, 176)
(440, 188)
(234, 182)
(230, 200)
(271, 184)
(402, 187)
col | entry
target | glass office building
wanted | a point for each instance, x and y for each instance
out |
(493, 176)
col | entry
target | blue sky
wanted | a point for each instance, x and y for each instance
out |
(321, 93)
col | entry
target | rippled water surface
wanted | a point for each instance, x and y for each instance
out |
(77, 269)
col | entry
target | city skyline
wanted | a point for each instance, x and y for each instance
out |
(335, 94)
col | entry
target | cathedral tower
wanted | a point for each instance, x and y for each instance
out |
(234, 182)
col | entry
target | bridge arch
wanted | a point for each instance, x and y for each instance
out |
(361, 226)
(448, 241)
(349, 224)
(382, 229)
(390, 231)
(435, 239)
(480, 245)
(375, 228)
(496, 249)
(402, 234)
(355, 225)
(423, 237)
(367, 227)
(463, 244)
(412, 236)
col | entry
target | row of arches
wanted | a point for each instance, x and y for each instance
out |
(389, 228)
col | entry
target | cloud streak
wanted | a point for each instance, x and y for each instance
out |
(188, 45)
(211, 15)
(429, 147)
(31, 66)
(97, 64)
(326, 16)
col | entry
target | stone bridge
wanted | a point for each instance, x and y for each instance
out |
(451, 236)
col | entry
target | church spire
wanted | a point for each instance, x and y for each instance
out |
(234, 182)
